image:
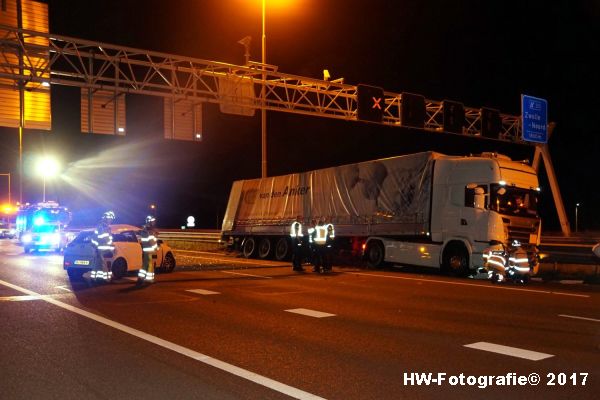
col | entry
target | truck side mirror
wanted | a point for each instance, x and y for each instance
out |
(479, 200)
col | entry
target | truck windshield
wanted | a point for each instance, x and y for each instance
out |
(509, 200)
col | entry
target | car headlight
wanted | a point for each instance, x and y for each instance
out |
(26, 238)
(55, 238)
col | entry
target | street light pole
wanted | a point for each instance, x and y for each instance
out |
(9, 196)
(263, 112)
(47, 168)
(576, 217)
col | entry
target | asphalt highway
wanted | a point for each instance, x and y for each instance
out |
(221, 327)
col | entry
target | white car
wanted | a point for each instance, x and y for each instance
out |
(81, 255)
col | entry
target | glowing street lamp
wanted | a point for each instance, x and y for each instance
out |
(47, 167)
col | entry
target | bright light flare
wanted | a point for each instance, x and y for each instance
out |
(48, 167)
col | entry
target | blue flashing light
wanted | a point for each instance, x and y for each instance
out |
(39, 221)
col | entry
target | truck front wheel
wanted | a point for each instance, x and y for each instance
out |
(455, 260)
(375, 254)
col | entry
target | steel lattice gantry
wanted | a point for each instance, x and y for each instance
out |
(98, 66)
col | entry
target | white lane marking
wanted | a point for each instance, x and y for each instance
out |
(576, 317)
(202, 291)
(239, 273)
(20, 298)
(571, 282)
(229, 368)
(310, 313)
(509, 351)
(469, 284)
(30, 297)
(569, 294)
(63, 288)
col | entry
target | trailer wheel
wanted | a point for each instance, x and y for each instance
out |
(249, 247)
(455, 260)
(282, 249)
(264, 248)
(375, 254)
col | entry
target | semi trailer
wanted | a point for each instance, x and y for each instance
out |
(425, 209)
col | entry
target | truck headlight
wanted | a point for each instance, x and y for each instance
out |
(26, 238)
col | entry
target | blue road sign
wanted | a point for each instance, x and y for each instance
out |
(534, 119)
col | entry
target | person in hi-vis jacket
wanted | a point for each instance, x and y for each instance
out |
(149, 247)
(298, 250)
(102, 240)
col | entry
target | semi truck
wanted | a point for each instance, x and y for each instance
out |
(425, 209)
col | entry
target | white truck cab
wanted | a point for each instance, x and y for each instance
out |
(475, 201)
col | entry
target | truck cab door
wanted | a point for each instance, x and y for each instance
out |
(474, 214)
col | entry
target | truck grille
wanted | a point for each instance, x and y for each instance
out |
(521, 233)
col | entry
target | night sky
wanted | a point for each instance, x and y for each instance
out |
(481, 53)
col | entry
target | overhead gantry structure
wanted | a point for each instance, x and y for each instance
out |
(32, 61)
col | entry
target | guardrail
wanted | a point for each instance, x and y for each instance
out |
(204, 235)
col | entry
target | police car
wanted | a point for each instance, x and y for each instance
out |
(81, 255)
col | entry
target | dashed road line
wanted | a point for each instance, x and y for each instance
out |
(509, 351)
(577, 317)
(254, 276)
(310, 313)
(202, 291)
(203, 358)
(21, 298)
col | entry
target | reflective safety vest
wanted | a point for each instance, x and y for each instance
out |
(149, 242)
(103, 239)
(330, 231)
(320, 234)
(296, 230)
(519, 261)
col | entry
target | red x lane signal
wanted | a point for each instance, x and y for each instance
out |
(376, 101)
(369, 101)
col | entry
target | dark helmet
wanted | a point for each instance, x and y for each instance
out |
(108, 217)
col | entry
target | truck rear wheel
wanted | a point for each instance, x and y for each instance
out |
(375, 254)
(264, 248)
(455, 260)
(249, 247)
(282, 249)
